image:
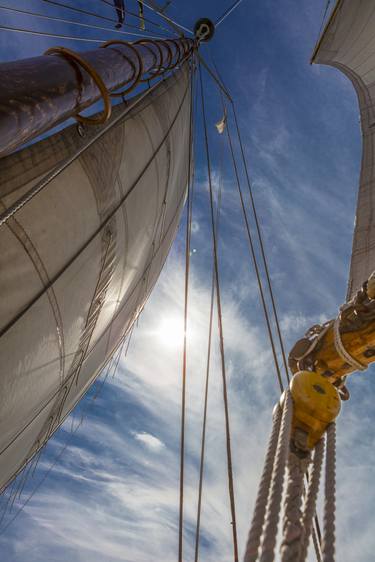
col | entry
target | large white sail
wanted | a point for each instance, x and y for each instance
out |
(78, 261)
(348, 43)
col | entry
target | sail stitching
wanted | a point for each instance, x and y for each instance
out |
(124, 304)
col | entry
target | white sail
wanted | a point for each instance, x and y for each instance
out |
(78, 261)
(348, 43)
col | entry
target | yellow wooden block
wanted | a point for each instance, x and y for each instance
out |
(316, 404)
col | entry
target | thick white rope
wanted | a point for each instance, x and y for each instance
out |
(255, 533)
(293, 534)
(311, 497)
(276, 490)
(328, 549)
(344, 354)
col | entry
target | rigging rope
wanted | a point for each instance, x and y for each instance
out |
(135, 15)
(227, 12)
(330, 499)
(292, 524)
(255, 261)
(70, 22)
(70, 37)
(316, 529)
(186, 295)
(256, 528)
(221, 335)
(205, 406)
(259, 233)
(261, 245)
(174, 24)
(276, 488)
(311, 497)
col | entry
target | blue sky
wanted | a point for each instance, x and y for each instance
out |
(113, 495)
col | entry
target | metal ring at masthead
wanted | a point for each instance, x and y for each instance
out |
(204, 29)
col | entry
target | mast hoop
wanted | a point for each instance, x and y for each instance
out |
(136, 78)
(160, 68)
(176, 45)
(74, 57)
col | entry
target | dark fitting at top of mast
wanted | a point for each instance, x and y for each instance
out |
(204, 30)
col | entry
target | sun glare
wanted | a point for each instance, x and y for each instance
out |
(171, 331)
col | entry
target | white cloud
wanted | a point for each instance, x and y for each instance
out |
(150, 441)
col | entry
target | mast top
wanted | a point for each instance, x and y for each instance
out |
(204, 29)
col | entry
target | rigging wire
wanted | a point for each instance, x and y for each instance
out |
(324, 14)
(135, 15)
(190, 189)
(214, 77)
(208, 361)
(316, 529)
(221, 335)
(70, 37)
(174, 24)
(227, 12)
(261, 245)
(255, 261)
(259, 232)
(71, 22)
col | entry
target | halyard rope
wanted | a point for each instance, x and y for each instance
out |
(221, 335)
(298, 514)
(276, 489)
(255, 533)
(330, 500)
(311, 497)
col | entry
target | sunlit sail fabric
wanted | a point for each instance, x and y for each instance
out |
(348, 43)
(78, 261)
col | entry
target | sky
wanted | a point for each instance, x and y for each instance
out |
(113, 493)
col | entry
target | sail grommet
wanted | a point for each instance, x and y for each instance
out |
(77, 59)
(81, 130)
(204, 30)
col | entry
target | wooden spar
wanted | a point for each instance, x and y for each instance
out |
(38, 93)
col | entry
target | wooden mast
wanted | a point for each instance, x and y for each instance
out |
(40, 92)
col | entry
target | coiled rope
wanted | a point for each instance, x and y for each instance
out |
(298, 514)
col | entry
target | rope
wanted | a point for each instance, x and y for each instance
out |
(68, 21)
(292, 527)
(328, 549)
(227, 12)
(276, 488)
(204, 423)
(221, 335)
(259, 232)
(261, 244)
(344, 354)
(311, 497)
(135, 15)
(184, 357)
(255, 533)
(255, 262)
(174, 24)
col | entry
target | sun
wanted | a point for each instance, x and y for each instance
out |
(171, 331)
